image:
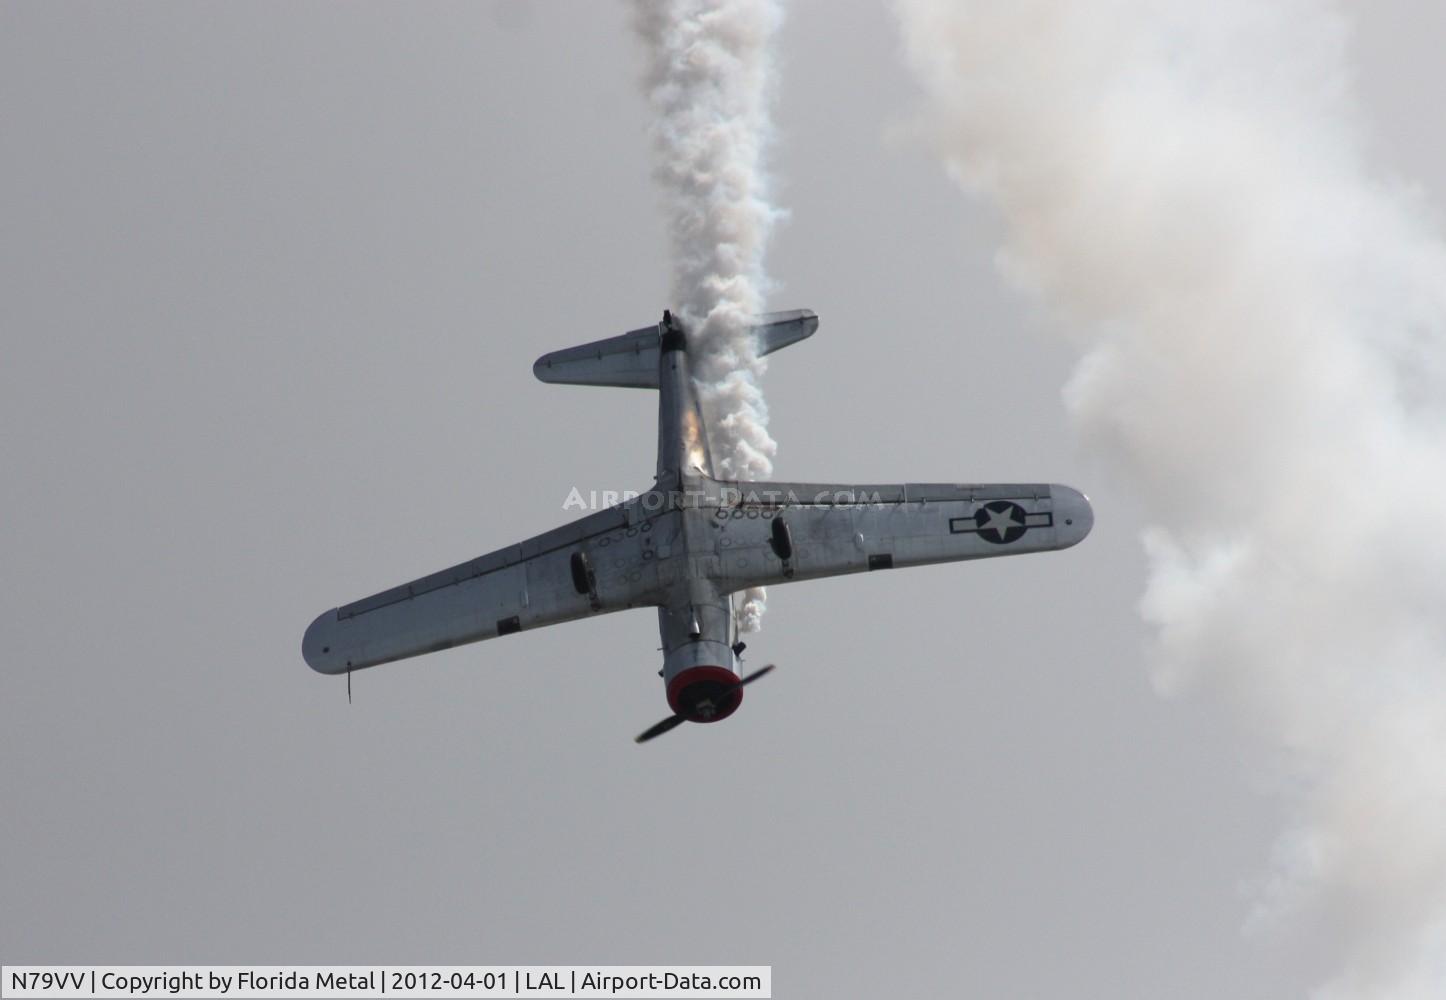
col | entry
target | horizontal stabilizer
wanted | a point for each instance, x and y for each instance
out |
(631, 360)
(628, 361)
(775, 331)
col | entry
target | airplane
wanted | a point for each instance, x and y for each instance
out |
(692, 542)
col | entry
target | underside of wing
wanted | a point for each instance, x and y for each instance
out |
(554, 577)
(781, 532)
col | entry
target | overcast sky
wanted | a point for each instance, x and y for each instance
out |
(273, 279)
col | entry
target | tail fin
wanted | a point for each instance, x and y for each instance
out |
(631, 360)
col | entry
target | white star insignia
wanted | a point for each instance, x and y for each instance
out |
(1000, 521)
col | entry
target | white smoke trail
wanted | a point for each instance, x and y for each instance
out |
(709, 80)
(1263, 328)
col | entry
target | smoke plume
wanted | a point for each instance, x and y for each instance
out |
(1262, 325)
(709, 79)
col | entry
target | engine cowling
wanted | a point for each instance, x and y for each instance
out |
(705, 694)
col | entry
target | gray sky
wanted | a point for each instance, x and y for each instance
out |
(273, 280)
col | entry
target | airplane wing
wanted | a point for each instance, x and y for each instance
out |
(773, 533)
(599, 563)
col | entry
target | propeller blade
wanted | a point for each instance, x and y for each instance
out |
(671, 722)
(756, 674)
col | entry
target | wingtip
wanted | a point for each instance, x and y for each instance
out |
(1074, 515)
(316, 648)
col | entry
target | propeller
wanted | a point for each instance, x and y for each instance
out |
(674, 721)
